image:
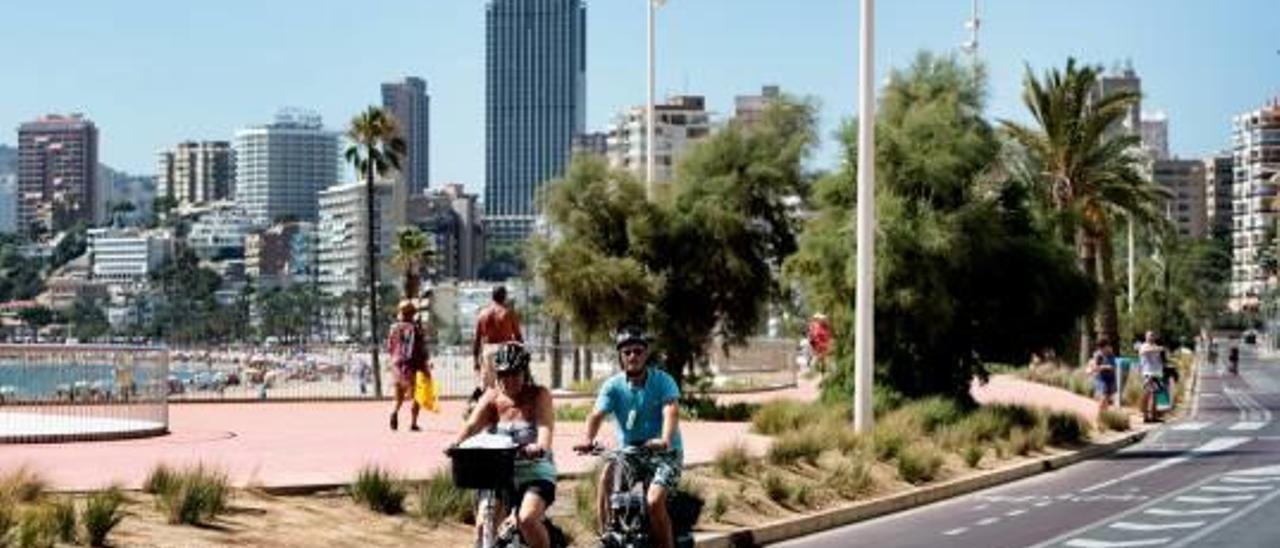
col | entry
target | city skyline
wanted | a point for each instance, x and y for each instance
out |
(111, 76)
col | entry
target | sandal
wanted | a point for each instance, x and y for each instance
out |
(395, 421)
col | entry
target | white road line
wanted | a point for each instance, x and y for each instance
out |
(1215, 500)
(1012, 513)
(1180, 513)
(1191, 426)
(1090, 543)
(1225, 521)
(1132, 526)
(1213, 446)
(956, 531)
(1235, 488)
(1235, 400)
(988, 521)
(1236, 479)
(1250, 425)
(1043, 503)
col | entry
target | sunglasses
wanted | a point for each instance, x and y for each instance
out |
(633, 351)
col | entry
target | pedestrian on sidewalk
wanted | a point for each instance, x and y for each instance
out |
(1103, 368)
(820, 341)
(1151, 364)
(496, 325)
(408, 348)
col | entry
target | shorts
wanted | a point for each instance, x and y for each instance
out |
(661, 468)
(546, 490)
(1104, 385)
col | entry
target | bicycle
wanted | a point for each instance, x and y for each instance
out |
(490, 471)
(628, 523)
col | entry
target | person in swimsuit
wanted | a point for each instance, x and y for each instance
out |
(518, 408)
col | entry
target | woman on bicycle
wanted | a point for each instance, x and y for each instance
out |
(1151, 365)
(522, 410)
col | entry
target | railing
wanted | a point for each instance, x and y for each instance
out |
(52, 393)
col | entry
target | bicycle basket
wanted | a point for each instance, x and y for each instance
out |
(483, 467)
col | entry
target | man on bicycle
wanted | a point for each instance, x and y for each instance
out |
(644, 402)
(522, 410)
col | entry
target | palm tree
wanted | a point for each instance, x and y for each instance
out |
(1089, 175)
(376, 150)
(414, 253)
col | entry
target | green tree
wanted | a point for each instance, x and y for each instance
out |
(87, 319)
(376, 149)
(964, 275)
(414, 254)
(36, 318)
(1086, 174)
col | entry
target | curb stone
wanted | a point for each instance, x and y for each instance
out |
(852, 513)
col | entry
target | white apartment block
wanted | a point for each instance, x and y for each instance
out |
(127, 256)
(1185, 180)
(341, 235)
(196, 172)
(282, 167)
(219, 232)
(1256, 163)
(679, 123)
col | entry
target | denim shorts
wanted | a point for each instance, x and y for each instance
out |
(663, 468)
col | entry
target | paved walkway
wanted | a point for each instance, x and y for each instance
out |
(290, 444)
(1009, 389)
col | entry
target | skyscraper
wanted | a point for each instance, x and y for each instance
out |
(535, 102)
(1155, 135)
(1219, 171)
(195, 173)
(680, 123)
(8, 204)
(1185, 181)
(1123, 79)
(281, 167)
(57, 172)
(409, 103)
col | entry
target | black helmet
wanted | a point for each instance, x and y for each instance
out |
(629, 334)
(511, 357)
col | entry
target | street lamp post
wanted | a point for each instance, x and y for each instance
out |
(653, 6)
(864, 324)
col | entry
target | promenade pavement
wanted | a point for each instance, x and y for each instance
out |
(325, 443)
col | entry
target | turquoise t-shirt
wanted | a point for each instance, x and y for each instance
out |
(637, 411)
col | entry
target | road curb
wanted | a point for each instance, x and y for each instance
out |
(852, 513)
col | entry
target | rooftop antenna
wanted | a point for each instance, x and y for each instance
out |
(973, 24)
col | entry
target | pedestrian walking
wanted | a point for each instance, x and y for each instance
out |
(496, 325)
(820, 340)
(1151, 365)
(1103, 368)
(408, 348)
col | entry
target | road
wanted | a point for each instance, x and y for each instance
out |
(1211, 479)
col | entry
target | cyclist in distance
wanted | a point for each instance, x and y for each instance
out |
(644, 402)
(523, 410)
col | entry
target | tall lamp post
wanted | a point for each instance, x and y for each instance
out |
(653, 6)
(864, 323)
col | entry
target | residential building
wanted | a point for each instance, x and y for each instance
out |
(197, 172)
(1218, 172)
(1185, 180)
(218, 232)
(1254, 187)
(1155, 135)
(595, 143)
(8, 204)
(535, 102)
(127, 256)
(57, 173)
(342, 236)
(281, 256)
(451, 218)
(409, 103)
(70, 283)
(281, 167)
(1123, 78)
(748, 109)
(680, 122)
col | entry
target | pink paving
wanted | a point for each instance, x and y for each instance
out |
(1008, 389)
(301, 444)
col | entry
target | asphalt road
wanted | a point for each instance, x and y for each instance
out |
(1211, 479)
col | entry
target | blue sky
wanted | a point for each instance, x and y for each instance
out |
(151, 73)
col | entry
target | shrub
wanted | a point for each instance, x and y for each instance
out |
(584, 498)
(6, 519)
(101, 514)
(719, 507)
(732, 460)
(22, 485)
(161, 479)
(776, 487)
(1066, 429)
(63, 513)
(1038, 437)
(973, 456)
(1019, 443)
(707, 409)
(376, 490)
(933, 413)
(1114, 420)
(196, 496)
(439, 500)
(779, 416)
(792, 447)
(573, 413)
(887, 440)
(586, 386)
(802, 496)
(919, 463)
(851, 479)
(39, 526)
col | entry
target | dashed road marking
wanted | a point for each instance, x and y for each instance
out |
(956, 531)
(1192, 426)
(1012, 513)
(1215, 500)
(988, 521)
(1235, 488)
(1212, 446)
(1248, 425)
(1182, 513)
(1133, 526)
(1235, 479)
(1091, 543)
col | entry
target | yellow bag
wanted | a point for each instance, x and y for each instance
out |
(424, 392)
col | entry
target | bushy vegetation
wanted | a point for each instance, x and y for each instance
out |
(194, 495)
(1114, 420)
(439, 500)
(919, 463)
(732, 460)
(376, 489)
(22, 485)
(101, 513)
(160, 479)
(1066, 429)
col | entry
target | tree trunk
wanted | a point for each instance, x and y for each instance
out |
(371, 276)
(1107, 319)
(577, 364)
(557, 358)
(1086, 264)
(587, 374)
